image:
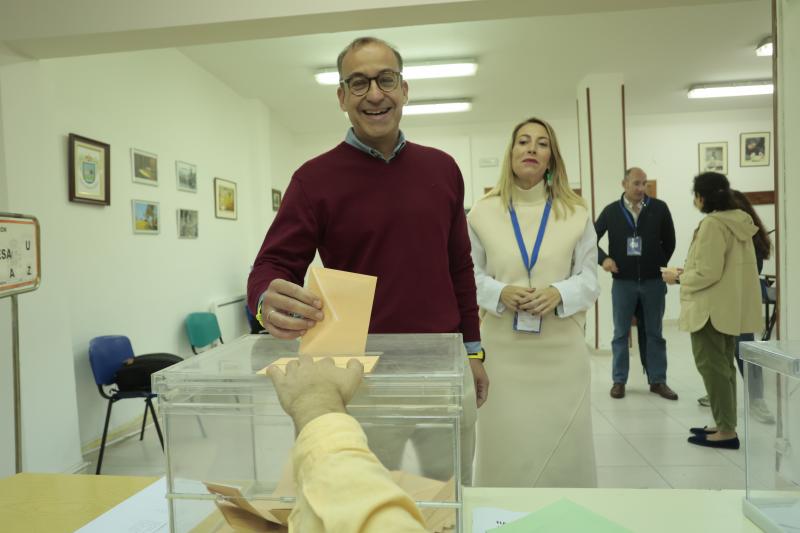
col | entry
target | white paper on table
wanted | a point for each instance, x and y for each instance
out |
(486, 518)
(144, 512)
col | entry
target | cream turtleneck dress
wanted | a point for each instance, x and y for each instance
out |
(535, 429)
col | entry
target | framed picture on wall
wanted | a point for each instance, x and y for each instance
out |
(186, 174)
(146, 217)
(713, 157)
(754, 149)
(225, 199)
(144, 167)
(187, 223)
(276, 199)
(89, 163)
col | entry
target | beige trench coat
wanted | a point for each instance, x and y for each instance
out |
(720, 278)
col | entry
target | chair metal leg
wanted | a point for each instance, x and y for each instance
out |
(103, 441)
(144, 422)
(772, 320)
(155, 421)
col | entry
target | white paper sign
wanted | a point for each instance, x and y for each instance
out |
(486, 518)
(19, 254)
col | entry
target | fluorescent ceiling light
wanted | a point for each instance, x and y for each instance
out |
(453, 68)
(327, 77)
(440, 69)
(433, 107)
(764, 48)
(745, 88)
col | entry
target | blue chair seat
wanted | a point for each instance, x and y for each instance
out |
(107, 354)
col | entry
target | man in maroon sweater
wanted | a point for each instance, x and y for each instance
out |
(378, 205)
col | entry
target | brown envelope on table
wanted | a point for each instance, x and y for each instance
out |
(347, 305)
(262, 516)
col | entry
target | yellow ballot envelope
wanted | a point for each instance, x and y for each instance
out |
(347, 305)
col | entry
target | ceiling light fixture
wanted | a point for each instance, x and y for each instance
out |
(451, 68)
(719, 90)
(437, 106)
(764, 48)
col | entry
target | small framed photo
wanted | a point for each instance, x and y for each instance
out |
(146, 217)
(186, 174)
(224, 199)
(276, 199)
(713, 157)
(89, 164)
(187, 223)
(754, 149)
(144, 167)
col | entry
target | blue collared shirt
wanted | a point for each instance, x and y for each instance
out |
(355, 142)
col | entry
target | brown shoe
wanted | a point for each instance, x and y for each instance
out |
(618, 390)
(663, 390)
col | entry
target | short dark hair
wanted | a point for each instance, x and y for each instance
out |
(715, 190)
(363, 41)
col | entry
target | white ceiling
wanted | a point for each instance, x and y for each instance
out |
(527, 65)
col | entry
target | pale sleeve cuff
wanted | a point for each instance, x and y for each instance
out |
(324, 436)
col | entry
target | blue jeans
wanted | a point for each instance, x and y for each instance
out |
(625, 295)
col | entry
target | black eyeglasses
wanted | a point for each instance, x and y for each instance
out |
(386, 80)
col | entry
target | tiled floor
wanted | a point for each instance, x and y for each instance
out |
(640, 440)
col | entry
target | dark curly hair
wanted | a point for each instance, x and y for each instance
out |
(715, 190)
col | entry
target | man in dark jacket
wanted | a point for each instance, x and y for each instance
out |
(641, 239)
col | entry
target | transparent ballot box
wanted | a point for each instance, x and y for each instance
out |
(228, 442)
(772, 450)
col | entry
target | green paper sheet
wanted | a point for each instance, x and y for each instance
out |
(562, 516)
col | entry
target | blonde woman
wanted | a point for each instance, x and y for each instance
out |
(535, 253)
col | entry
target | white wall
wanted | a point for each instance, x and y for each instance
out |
(98, 277)
(6, 383)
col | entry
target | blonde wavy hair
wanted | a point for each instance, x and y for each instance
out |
(563, 197)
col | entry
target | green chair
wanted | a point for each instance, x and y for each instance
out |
(202, 330)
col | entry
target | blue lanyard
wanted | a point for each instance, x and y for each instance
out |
(521, 241)
(633, 224)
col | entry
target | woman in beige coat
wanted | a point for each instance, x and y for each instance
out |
(720, 299)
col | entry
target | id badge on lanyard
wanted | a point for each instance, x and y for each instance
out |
(525, 322)
(634, 244)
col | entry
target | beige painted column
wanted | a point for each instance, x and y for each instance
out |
(788, 157)
(601, 120)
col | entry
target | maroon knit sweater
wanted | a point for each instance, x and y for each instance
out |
(401, 221)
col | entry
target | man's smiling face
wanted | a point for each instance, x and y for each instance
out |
(375, 115)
